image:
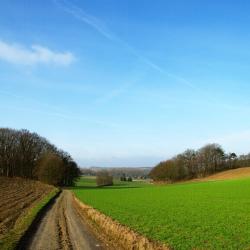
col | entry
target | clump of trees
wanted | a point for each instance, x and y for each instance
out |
(103, 178)
(124, 178)
(129, 178)
(198, 163)
(28, 155)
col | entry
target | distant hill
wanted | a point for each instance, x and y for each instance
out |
(138, 172)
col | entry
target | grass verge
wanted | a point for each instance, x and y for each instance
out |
(112, 233)
(10, 241)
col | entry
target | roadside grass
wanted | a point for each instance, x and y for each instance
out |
(10, 240)
(201, 215)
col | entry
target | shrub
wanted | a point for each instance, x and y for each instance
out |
(123, 177)
(129, 178)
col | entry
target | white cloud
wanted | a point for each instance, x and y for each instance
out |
(36, 54)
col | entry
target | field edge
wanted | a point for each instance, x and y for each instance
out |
(114, 233)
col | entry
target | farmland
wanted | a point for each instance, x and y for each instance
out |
(20, 201)
(200, 215)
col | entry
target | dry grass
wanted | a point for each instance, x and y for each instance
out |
(228, 174)
(115, 235)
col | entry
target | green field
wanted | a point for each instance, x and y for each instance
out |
(204, 215)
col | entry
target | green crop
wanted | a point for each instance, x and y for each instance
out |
(202, 215)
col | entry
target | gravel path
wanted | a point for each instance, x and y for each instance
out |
(63, 228)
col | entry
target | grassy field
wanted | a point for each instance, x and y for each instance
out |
(89, 182)
(202, 215)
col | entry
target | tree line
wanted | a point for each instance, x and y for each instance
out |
(190, 164)
(28, 155)
(118, 172)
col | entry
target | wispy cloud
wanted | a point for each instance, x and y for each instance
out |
(46, 109)
(123, 87)
(100, 27)
(113, 93)
(36, 54)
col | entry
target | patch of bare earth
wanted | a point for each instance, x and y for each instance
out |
(17, 195)
(115, 235)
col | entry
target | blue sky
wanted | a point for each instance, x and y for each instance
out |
(127, 83)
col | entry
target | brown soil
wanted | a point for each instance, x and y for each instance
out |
(115, 235)
(17, 195)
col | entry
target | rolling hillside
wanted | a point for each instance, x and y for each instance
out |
(229, 174)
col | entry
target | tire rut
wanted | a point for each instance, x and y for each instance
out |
(62, 228)
(64, 239)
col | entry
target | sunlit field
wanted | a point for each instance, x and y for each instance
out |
(207, 215)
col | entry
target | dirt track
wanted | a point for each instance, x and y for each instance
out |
(63, 228)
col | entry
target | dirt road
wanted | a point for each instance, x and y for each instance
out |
(63, 228)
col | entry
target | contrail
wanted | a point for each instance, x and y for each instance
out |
(79, 14)
(100, 27)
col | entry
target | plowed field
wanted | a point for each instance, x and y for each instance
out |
(16, 197)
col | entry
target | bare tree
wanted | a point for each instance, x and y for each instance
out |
(50, 169)
(191, 164)
(103, 178)
(21, 151)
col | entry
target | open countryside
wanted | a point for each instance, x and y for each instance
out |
(124, 125)
(195, 200)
